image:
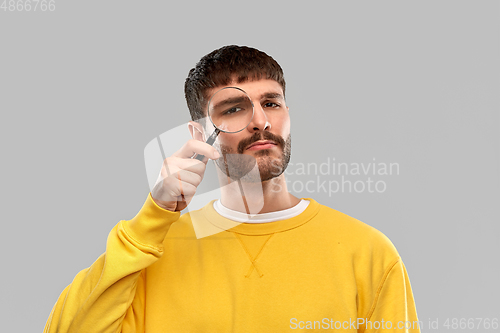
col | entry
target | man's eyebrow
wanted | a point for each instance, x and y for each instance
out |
(229, 101)
(271, 95)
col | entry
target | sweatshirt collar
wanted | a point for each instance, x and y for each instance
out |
(261, 228)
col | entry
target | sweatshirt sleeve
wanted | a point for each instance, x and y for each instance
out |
(393, 309)
(109, 295)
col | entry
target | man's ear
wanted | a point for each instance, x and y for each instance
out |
(196, 130)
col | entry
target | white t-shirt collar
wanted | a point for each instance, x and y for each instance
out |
(260, 218)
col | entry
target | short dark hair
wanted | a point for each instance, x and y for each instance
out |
(220, 67)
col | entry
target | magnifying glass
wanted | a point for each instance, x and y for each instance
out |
(230, 110)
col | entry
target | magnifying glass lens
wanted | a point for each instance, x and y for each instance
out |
(230, 110)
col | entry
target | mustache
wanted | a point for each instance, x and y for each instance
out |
(257, 136)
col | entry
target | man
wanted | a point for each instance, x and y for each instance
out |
(297, 265)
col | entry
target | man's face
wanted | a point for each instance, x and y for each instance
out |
(266, 138)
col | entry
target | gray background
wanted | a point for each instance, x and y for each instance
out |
(83, 89)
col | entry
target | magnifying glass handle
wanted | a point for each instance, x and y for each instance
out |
(210, 141)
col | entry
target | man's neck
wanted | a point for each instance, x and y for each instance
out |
(258, 198)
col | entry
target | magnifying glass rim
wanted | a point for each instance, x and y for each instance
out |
(208, 109)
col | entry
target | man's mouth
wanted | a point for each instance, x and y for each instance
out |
(262, 144)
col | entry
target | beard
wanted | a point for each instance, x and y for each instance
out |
(237, 165)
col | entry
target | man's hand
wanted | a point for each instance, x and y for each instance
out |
(180, 175)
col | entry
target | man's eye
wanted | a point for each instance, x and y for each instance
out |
(271, 105)
(231, 111)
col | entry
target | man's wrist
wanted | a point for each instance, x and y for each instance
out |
(164, 205)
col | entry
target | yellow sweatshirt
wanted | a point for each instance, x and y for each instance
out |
(318, 271)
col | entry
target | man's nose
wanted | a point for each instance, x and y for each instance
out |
(259, 121)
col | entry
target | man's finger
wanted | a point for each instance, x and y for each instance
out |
(192, 147)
